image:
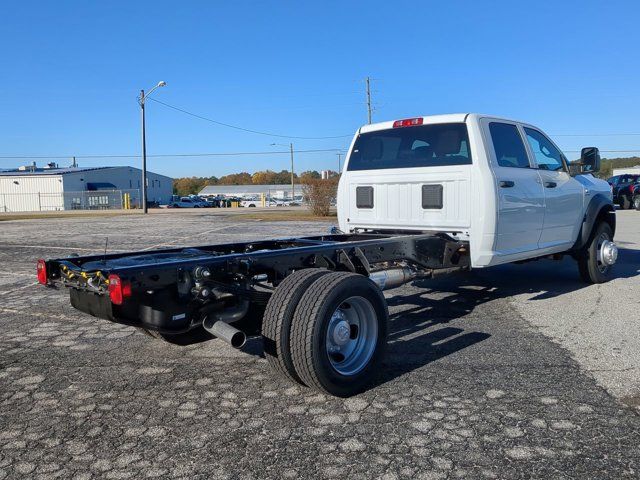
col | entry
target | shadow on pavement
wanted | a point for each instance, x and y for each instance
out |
(458, 295)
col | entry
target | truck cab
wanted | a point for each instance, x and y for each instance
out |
(502, 185)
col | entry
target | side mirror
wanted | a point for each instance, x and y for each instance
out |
(590, 160)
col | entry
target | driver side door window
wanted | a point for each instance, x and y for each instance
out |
(547, 156)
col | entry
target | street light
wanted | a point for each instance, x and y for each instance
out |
(293, 187)
(141, 101)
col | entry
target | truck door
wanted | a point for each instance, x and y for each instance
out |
(563, 194)
(519, 188)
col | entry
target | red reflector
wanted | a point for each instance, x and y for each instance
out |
(118, 290)
(42, 272)
(407, 122)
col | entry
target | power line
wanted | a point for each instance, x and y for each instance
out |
(338, 151)
(160, 155)
(597, 135)
(606, 151)
(257, 132)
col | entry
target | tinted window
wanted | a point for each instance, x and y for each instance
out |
(548, 157)
(507, 143)
(625, 179)
(406, 147)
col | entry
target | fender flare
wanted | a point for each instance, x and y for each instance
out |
(600, 208)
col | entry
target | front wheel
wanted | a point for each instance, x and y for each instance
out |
(339, 333)
(597, 258)
(636, 202)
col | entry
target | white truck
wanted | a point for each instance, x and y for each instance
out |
(418, 197)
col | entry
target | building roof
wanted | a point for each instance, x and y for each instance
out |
(48, 171)
(242, 189)
(63, 171)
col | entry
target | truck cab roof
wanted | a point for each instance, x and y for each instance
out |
(432, 119)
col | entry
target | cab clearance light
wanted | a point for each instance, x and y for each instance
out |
(42, 272)
(408, 122)
(118, 290)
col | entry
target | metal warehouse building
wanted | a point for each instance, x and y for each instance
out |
(33, 189)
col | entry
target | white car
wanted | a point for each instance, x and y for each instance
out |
(252, 202)
(188, 202)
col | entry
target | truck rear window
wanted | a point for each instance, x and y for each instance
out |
(406, 147)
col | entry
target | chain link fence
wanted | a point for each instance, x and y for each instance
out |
(82, 200)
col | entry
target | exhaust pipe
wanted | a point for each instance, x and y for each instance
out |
(226, 332)
(217, 324)
(387, 279)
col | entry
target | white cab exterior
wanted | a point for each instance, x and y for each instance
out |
(506, 213)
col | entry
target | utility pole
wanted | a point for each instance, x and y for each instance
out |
(369, 99)
(141, 101)
(293, 187)
(144, 156)
(339, 158)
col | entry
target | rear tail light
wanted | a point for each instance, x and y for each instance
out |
(42, 272)
(118, 289)
(408, 122)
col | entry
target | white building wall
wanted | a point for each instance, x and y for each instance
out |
(31, 193)
(627, 171)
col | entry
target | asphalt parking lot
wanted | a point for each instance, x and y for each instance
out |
(515, 372)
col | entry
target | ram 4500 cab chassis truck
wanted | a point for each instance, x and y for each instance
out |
(417, 198)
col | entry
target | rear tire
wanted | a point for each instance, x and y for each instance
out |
(592, 270)
(339, 333)
(276, 324)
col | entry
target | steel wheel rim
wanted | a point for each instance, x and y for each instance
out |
(602, 267)
(352, 335)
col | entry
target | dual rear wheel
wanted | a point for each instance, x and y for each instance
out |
(326, 330)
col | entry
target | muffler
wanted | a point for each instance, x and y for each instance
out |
(392, 278)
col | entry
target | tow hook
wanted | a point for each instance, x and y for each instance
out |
(608, 252)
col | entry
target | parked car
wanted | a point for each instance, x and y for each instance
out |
(251, 202)
(188, 202)
(622, 188)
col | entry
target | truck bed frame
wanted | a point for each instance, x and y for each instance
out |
(172, 290)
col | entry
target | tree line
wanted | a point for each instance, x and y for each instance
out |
(193, 185)
(608, 164)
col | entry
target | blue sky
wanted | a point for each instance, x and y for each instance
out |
(71, 72)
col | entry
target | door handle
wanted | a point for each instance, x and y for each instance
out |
(506, 183)
(550, 184)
